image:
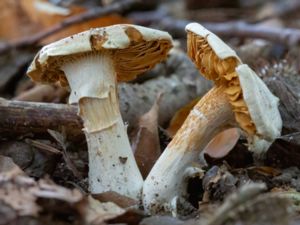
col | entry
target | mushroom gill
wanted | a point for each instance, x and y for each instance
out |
(221, 71)
(140, 57)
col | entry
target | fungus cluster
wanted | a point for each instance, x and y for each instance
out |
(90, 64)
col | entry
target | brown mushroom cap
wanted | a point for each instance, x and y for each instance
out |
(133, 49)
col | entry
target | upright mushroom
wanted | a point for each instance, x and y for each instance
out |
(91, 63)
(238, 99)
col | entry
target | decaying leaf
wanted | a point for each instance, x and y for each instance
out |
(146, 145)
(217, 183)
(43, 14)
(21, 193)
(120, 200)
(8, 167)
(264, 171)
(223, 143)
(22, 197)
(96, 212)
(180, 116)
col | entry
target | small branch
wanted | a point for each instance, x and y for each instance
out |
(117, 7)
(278, 9)
(285, 36)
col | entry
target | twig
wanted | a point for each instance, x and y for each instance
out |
(118, 7)
(278, 9)
(286, 36)
(43, 147)
(61, 139)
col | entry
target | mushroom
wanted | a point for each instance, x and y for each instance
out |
(238, 99)
(91, 63)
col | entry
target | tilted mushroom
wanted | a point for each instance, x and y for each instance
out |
(91, 63)
(238, 99)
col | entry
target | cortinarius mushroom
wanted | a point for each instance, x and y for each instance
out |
(91, 63)
(239, 99)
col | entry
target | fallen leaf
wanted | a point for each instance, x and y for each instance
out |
(145, 144)
(222, 143)
(120, 200)
(26, 17)
(264, 171)
(8, 167)
(39, 13)
(17, 24)
(161, 220)
(130, 217)
(24, 197)
(96, 212)
(180, 116)
(217, 183)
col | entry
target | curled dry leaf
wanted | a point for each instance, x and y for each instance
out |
(146, 144)
(222, 143)
(180, 116)
(20, 193)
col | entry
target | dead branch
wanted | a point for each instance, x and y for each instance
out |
(278, 9)
(183, 85)
(95, 12)
(286, 36)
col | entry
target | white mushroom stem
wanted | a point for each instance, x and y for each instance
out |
(112, 166)
(168, 178)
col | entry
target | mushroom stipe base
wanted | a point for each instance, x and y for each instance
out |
(169, 176)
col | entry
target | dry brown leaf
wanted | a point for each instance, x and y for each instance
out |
(8, 167)
(264, 171)
(17, 24)
(145, 145)
(26, 17)
(46, 19)
(23, 196)
(223, 143)
(120, 200)
(180, 117)
(95, 212)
